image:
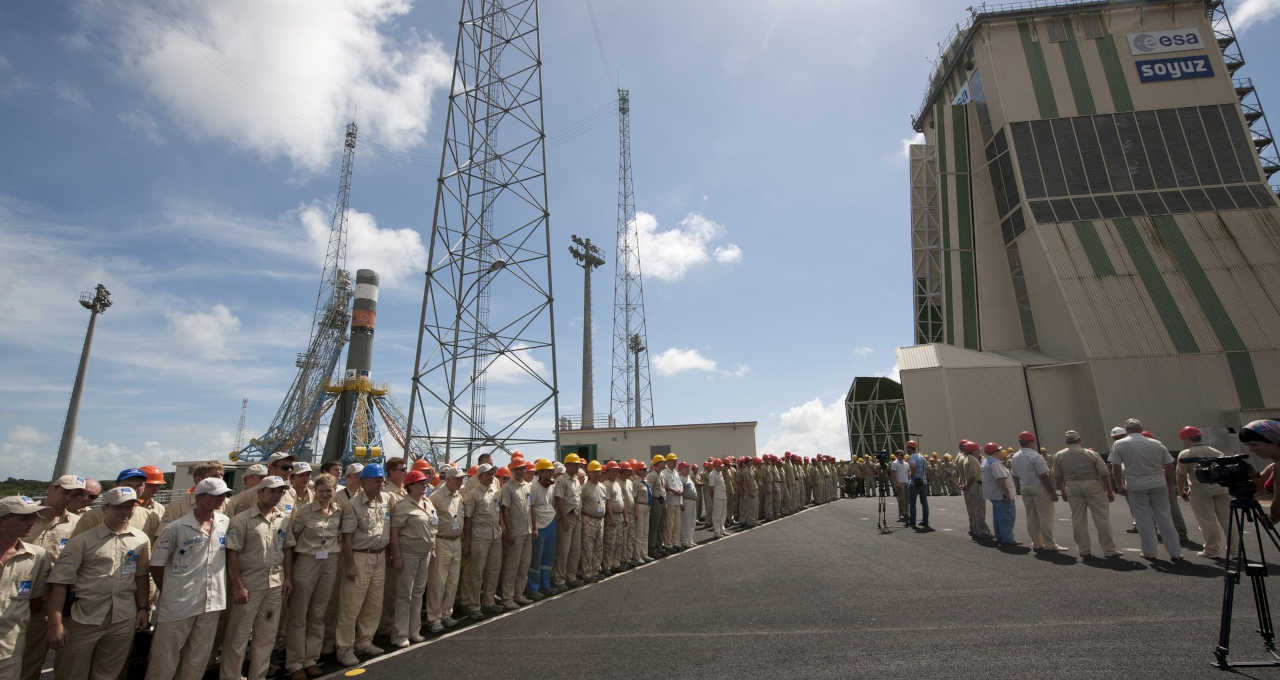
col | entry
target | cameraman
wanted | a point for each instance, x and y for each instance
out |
(1262, 437)
(1211, 503)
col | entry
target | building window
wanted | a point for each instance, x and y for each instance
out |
(1058, 28)
(1091, 26)
(1020, 297)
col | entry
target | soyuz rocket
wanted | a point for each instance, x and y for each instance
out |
(359, 356)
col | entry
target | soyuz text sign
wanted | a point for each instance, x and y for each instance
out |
(1154, 42)
(1176, 68)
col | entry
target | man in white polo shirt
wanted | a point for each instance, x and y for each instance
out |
(1031, 479)
(189, 566)
(901, 475)
(1145, 469)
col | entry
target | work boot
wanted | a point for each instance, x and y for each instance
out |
(416, 638)
(522, 600)
(492, 610)
(370, 649)
(346, 657)
(400, 643)
(449, 622)
(437, 627)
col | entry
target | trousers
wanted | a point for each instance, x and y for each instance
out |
(592, 545)
(308, 606)
(615, 535)
(96, 652)
(656, 512)
(568, 549)
(257, 618)
(411, 588)
(718, 507)
(180, 649)
(687, 525)
(442, 582)
(1086, 497)
(641, 533)
(1040, 515)
(1212, 514)
(542, 558)
(1003, 516)
(360, 601)
(486, 567)
(976, 507)
(671, 525)
(1151, 510)
(516, 556)
(900, 492)
(918, 492)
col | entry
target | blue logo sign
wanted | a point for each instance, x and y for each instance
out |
(1175, 68)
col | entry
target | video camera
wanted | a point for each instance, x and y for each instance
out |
(1229, 471)
(883, 458)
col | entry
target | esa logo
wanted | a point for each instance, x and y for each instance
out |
(1177, 40)
(1176, 68)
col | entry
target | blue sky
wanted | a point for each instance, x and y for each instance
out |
(186, 156)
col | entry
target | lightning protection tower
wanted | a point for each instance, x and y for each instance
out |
(487, 297)
(630, 394)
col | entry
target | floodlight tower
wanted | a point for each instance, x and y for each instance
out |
(587, 255)
(490, 236)
(629, 389)
(636, 346)
(96, 303)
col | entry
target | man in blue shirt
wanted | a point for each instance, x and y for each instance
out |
(918, 487)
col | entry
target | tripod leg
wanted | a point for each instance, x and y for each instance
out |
(1230, 577)
(1257, 575)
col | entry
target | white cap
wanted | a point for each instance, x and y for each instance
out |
(453, 473)
(18, 505)
(301, 468)
(353, 469)
(1118, 432)
(256, 469)
(279, 456)
(70, 482)
(484, 467)
(272, 482)
(212, 486)
(119, 496)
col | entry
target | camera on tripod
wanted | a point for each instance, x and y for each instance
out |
(1229, 471)
(883, 458)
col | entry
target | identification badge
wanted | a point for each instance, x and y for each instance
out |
(24, 588)
(600, 507)
(128, 568)
(62, 543)
(280, 539)
(457, 525)
(322, 555)
(434, 521)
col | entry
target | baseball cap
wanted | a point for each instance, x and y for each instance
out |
(130, 473)
(19, 505)
(301, 468)
(453, 473)
(212, 486)
(70, 482)
(353, 469)
(483, 468)
(279, 456)
(272, 482)
(119, 496)
(256, 469)
(1071, 436)
(1118, 432)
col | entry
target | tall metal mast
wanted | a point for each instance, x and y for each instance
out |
(490, 236)
(244, 409)
(97, 303)
(630, 393)
(295, 422)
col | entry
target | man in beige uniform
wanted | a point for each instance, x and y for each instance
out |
(594, 509)
(643, 497)
(65, 497)
(970, 472)
(657, 507)
(249, 496)
(145, 518)
(518, 531)
(366, 530)
(482, 538)
(1085, 483)
(1211, 503)
(747, 505)
(396, 470)
(23, 569)
(107, 567)
(568, 500)
(181, 505)
(442, 585)
(188, 563)
(259, 581)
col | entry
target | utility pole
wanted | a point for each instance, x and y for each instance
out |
(629, 385)
(587, 255)
(96, 303)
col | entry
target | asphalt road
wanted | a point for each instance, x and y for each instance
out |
(822, 594)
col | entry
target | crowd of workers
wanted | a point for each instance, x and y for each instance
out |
(1137, 467)
(321, 561)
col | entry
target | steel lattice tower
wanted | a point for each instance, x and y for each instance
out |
(488, 295)
(630, 394)
(303, 406)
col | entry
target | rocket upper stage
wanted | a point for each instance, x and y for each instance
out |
(366, 299)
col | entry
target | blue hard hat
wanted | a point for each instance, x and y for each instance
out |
(130, 473)
(372, 471)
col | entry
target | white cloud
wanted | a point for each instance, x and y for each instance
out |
(906, 142)
(669, 255)
(73, 96)
(740, 372)
(29, 454)
(893, 373)
(812, 427)
(515, 366)
(1248, 13)
(394, 253)
(675, 360)
(280, 78)
(862, 351)
(209, 333)
(141, 122)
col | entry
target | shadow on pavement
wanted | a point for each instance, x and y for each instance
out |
(1114, 564)
(1058, 558)
(1188, 569)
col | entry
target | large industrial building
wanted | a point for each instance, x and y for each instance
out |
(1093, 233)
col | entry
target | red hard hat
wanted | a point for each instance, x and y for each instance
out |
(414, 477)
(1189, 432)
(970, 446)
(963, 443)
(911, 444)
(682, 465)
(503, 473)
(1148, 435)
(991, 447)
(612, 465)
(1026, 436)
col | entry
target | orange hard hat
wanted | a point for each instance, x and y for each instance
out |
(421, 464)
(471, 471)
(154, 475)
(414, 477)
(503, 473)
(611, 465)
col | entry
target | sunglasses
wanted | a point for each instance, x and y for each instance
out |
(286, 468)
(92, 496)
